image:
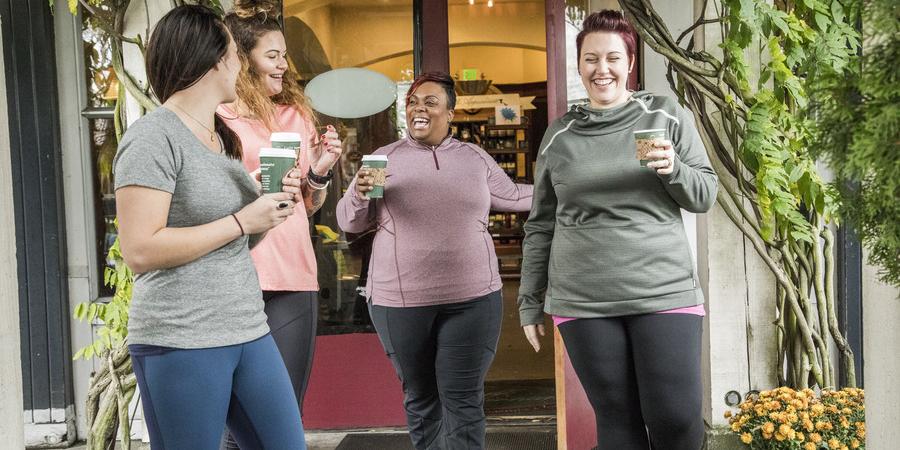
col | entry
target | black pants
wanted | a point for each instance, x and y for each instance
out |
(442, 354)
(292, 320)
(642, 376)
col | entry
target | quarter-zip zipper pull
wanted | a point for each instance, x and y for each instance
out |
(434, 154)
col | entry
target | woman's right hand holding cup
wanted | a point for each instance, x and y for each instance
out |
(266, 212)
(364, 182)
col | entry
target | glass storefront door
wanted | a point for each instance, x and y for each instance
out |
(352, 380)
(498, 53)
(496, 48)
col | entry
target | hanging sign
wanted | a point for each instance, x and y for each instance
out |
(492, 100)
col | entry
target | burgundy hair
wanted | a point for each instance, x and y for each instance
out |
(441, 78)
(608, 21)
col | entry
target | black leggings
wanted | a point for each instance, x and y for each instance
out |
(442, 354)
(642, 376)
(292, 320)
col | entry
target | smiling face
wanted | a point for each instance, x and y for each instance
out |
(269, 60)
(428, 115)
(604, 66)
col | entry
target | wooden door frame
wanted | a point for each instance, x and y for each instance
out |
(431, 36)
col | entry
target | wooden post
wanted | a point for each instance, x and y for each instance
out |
(555, 12)
(431, 36)
(559, 370)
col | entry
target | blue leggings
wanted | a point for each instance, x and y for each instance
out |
(189, 395)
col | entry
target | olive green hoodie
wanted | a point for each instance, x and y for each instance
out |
(605, 236)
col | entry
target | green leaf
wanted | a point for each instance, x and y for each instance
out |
(821, 21)
(796, 173)
(80, 311)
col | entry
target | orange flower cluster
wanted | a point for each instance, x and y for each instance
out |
(783, 419)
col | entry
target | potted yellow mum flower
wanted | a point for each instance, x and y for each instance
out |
(785, 419)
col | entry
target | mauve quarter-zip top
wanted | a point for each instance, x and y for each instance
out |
(432, 243)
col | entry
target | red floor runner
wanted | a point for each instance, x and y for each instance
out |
(352, 385)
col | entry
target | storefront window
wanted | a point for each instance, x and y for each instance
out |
(102, 88)
(498, 53)
(325, 35)
(500, 41)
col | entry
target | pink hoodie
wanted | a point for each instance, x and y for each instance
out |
(432, 243)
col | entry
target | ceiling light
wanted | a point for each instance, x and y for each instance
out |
(490, 3)
(471, 2)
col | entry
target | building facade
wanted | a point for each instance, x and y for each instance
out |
(58, 113)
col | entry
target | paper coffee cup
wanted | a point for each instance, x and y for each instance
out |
(376, 165)
(286, 140)
(274, 164)
(646, 141)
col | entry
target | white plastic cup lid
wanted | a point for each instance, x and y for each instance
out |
(277, 153)
(286, 137)
(650, 130)
(374, 158)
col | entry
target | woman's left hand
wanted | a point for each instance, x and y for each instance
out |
(325, 151)
(663, 159)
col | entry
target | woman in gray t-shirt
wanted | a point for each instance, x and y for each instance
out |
(187, 213)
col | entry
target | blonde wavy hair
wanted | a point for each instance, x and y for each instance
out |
(248, 21)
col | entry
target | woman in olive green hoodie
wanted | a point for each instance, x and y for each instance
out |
(606, 253)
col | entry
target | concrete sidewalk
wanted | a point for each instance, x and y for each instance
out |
(315, 440)
(329, 440)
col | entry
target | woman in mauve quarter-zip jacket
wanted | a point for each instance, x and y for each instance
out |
(434, 284)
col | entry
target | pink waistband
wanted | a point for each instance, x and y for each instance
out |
(697, 310)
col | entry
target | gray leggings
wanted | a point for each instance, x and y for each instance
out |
(441, 354)
(292, 318)
(642, 376)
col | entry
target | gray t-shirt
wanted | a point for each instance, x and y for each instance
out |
(214, 300)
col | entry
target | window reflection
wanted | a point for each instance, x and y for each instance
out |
(325, 35)
(102, 89)
(103, 150)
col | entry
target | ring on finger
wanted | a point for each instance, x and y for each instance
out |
(282, 205)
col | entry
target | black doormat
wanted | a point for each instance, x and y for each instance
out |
(496, 440)
(520, 398)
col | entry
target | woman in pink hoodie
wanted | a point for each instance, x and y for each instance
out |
(434, 284)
